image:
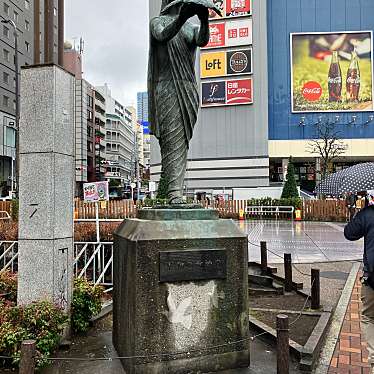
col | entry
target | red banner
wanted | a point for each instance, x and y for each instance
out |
(239, 91)
(217, 35)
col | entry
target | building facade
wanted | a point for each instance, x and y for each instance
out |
(287, 50)
(119, 139)
(290, 131)
(100, 122)
(40, 30)
(142, 106)
(90, 120)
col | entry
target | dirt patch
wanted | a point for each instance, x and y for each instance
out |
(282, 302)
(300, 330)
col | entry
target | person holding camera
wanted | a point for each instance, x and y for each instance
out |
(362, 226)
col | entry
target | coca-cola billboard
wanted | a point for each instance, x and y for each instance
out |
(332, 72)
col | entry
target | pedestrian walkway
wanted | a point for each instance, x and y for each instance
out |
(307, 242)
(351, 355)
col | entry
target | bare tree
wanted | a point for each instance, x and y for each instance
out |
(327, 144)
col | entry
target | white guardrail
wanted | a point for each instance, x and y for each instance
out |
(93, 261)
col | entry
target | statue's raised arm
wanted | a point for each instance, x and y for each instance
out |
(172, 87)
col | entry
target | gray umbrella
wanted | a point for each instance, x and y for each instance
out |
(354, 179)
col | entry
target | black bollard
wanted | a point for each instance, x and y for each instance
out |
(316, 289)
(288, 272)
(283, 345)
(264, 258)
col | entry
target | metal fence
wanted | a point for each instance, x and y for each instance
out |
(93, 261)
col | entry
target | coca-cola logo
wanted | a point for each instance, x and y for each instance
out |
(336, 80)
(312, 91)
(351, 80)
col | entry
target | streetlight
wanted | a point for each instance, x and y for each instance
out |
(13, 24)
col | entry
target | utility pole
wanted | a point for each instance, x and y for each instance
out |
(18, 108)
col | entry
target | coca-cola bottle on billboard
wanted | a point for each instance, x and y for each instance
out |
(335, 79)
(353, 79)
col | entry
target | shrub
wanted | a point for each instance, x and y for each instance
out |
(8, 286)
(268, 201)
(153, 202)
(86, 232)
(41, 321)
(9, 231)
(87, 302)
(14, 209)
(162, 191)
(290, 187)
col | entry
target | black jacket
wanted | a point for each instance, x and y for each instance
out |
(362, 226)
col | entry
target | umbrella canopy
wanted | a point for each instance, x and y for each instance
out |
(354, 179)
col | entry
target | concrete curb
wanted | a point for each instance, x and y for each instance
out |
(337, 320)
(105, 310)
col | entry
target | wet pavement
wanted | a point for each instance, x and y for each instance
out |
(308, 242)
(97, 344)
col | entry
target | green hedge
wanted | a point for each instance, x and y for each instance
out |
(296, 202)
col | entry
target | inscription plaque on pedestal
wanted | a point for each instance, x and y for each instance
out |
(191, 265)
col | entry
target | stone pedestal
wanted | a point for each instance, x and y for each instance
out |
(46, 190)
(180, 292)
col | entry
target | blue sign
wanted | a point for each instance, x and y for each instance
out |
(146, 129)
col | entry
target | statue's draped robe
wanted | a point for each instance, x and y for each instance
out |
(173, 106)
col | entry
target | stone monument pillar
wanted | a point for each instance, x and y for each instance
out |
(46, 190)
(180, 292)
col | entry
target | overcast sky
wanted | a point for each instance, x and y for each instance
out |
(115, 33)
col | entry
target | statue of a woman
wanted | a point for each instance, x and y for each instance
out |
(172, 88)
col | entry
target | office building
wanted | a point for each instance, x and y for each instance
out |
(100, 122)
(275, 88)
(142, 106)
(90, 118)
(40, 29)
(119, 139)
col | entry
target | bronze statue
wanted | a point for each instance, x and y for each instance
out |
(172, 87)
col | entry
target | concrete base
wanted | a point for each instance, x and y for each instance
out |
(181, 327)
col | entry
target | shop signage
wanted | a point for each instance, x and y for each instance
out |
(237, 8)
(213, 93)
(217, 35)
(213, 64)
(230, 33)
(230, 92)
(94, 192)
(218, 64)
(232, 8)
(239, 91)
